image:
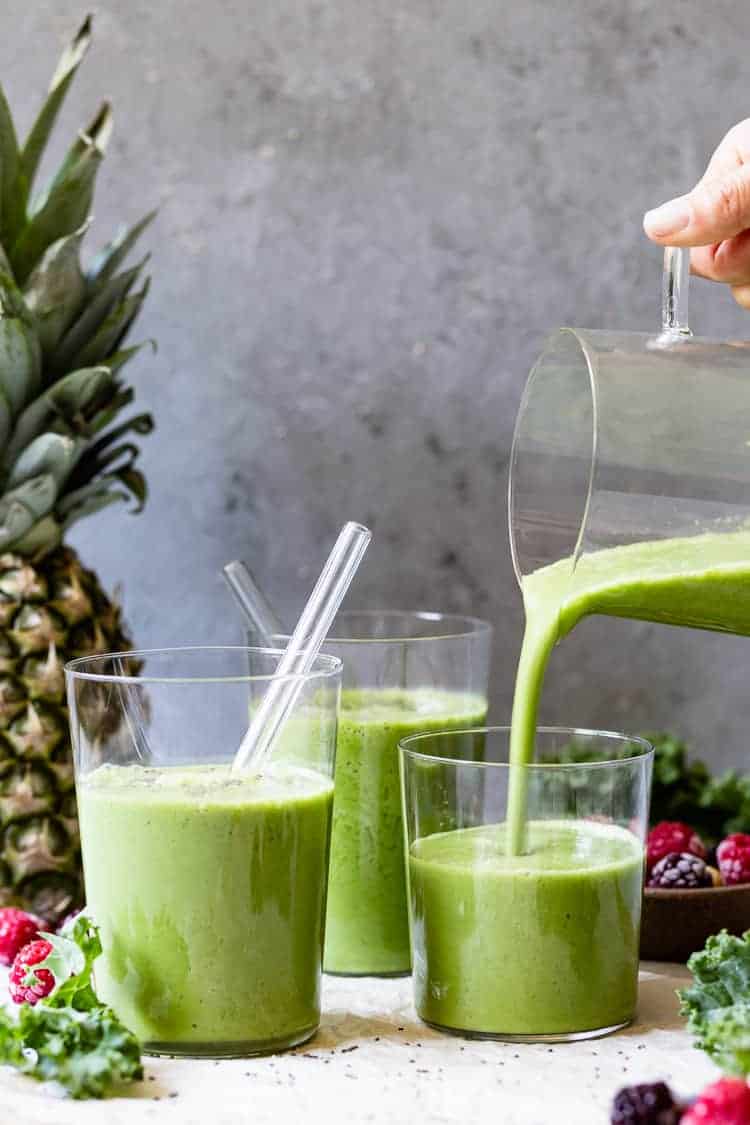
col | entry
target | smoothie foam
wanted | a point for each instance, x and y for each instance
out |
(209, 888)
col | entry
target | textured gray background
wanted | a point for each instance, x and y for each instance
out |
(371, 215)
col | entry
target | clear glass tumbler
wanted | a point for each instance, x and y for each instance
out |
(208, 885)
(403, 673)
(541, 946)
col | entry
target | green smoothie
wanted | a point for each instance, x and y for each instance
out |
(702, 582)
(540, 944)
(209, 888)
(367, 929)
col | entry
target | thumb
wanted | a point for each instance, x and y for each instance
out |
(717, 208)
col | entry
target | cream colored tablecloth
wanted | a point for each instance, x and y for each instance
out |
(374, 1063)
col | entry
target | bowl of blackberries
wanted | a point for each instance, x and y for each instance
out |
(692, 890)
(698, 852)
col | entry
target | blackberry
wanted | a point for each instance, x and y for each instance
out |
(649, 1104)
(680, 870)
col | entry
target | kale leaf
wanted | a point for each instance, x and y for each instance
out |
(69, 1036)
(717, 1004)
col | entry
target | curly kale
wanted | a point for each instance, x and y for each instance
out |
(69, 1036)
(717, 1004)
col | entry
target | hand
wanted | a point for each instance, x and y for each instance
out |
(714, 217)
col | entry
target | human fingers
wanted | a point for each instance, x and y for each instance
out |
(727, 261)
(716, 209)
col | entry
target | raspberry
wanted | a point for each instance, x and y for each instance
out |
(27, 985)
(726, 1102)
(17, 928)
(733, 857)
(672, 836)
(649, 1104)
(678, 870)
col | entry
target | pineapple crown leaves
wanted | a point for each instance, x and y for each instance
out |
(62, 332)
(69, 62)
(66, 202)
(56, 289)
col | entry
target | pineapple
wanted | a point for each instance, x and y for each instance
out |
(62, 456)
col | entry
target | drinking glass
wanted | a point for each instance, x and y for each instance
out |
(208, 884)
(541, 946)
(403, 672)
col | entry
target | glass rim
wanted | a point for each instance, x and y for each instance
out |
(325, 667)
(466, 626)
(646, 753)
(689, 340)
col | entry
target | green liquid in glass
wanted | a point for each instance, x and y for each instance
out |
(544, 943)
(209, 888)
(367, 929)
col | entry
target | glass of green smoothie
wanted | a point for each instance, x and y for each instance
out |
(537, 944)
(208, 883)
(403, 673)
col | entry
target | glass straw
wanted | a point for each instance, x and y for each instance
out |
(304, 645)
(250, 598)
(134, 714)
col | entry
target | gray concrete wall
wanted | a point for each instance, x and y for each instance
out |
(371, 215)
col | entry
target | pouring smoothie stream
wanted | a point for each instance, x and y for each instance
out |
(701, 582)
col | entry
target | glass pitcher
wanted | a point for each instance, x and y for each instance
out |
(632, 451)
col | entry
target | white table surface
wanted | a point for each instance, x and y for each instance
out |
(374, 1063)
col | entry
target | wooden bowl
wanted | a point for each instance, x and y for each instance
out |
(676, 923)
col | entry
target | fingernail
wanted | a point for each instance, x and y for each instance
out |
(670, 218)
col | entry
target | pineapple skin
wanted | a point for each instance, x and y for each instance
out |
(51, 611)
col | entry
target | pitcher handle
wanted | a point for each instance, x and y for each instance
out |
(674, 292)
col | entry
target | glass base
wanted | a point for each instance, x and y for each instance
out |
(233, 1050)
(555, 1037)
(367, 973)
